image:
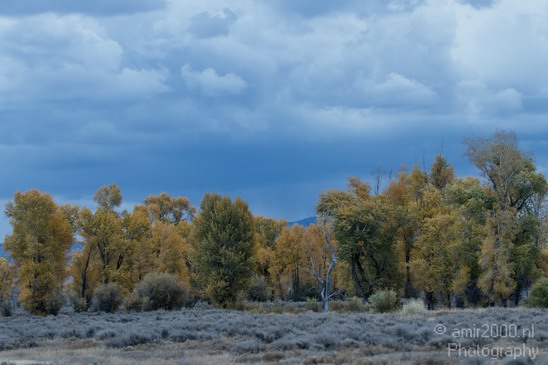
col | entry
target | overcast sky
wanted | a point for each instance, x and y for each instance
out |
(273, 101)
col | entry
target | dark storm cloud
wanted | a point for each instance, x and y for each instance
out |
(273, 101)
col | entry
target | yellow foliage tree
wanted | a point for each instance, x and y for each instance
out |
(39, 242)
(286, 260)
(7, 273)
(164, 251)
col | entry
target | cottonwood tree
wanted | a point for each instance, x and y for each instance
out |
(509, 171)
(286, 262)
(473, 204)
(365, 228)
(107, 254)
(108, 197)
(267, 231)
(164, 251)
(320, 257)
(405, 193)
(441, 173)
(223, 238)
(165, 208)
(518, 187)
(40, 239)
(435, 268)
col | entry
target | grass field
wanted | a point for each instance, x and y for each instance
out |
(207, 336)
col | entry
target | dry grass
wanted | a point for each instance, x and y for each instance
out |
(205, 336)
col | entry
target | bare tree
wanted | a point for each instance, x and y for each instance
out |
(322, 264)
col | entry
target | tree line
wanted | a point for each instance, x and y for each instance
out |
(451, 241)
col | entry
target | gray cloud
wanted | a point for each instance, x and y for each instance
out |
(96, 7)
(205, 25)
(273, 101)
(478, 3)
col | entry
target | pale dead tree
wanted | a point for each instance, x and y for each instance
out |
(322, 258)
(381, 177)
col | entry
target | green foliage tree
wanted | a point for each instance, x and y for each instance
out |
(539, 294)
(365, 228)
(223, 237)
(40, 239)
(441, 173)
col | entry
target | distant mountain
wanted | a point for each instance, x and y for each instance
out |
(304, 222)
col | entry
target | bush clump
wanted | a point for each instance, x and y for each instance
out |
(413, 306)
(161, 291)
(539, 294)
(258, 290)
(354, 304)
(5, 309)
(79, 304)
(133, 303)
(384, 301)
(107, 298)
(312, 304)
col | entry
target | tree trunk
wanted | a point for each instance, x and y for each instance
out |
(327, 282)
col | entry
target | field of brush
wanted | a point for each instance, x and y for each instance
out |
(210, 336)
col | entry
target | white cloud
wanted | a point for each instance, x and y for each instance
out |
(207, 82)
(503, 46)
(397, 91)
(481, 101)
(54, 57)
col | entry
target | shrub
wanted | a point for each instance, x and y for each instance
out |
(78, 303)
(248, 347)
(413, 306)
(539, 294)
(5, 309)
(258, 290)
(107, 298)
(133, 303)
(52, 304)
(384, 301)
(161, 291)
(312, 305)
(355, 304)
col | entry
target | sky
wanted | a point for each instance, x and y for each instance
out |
(272, 101)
